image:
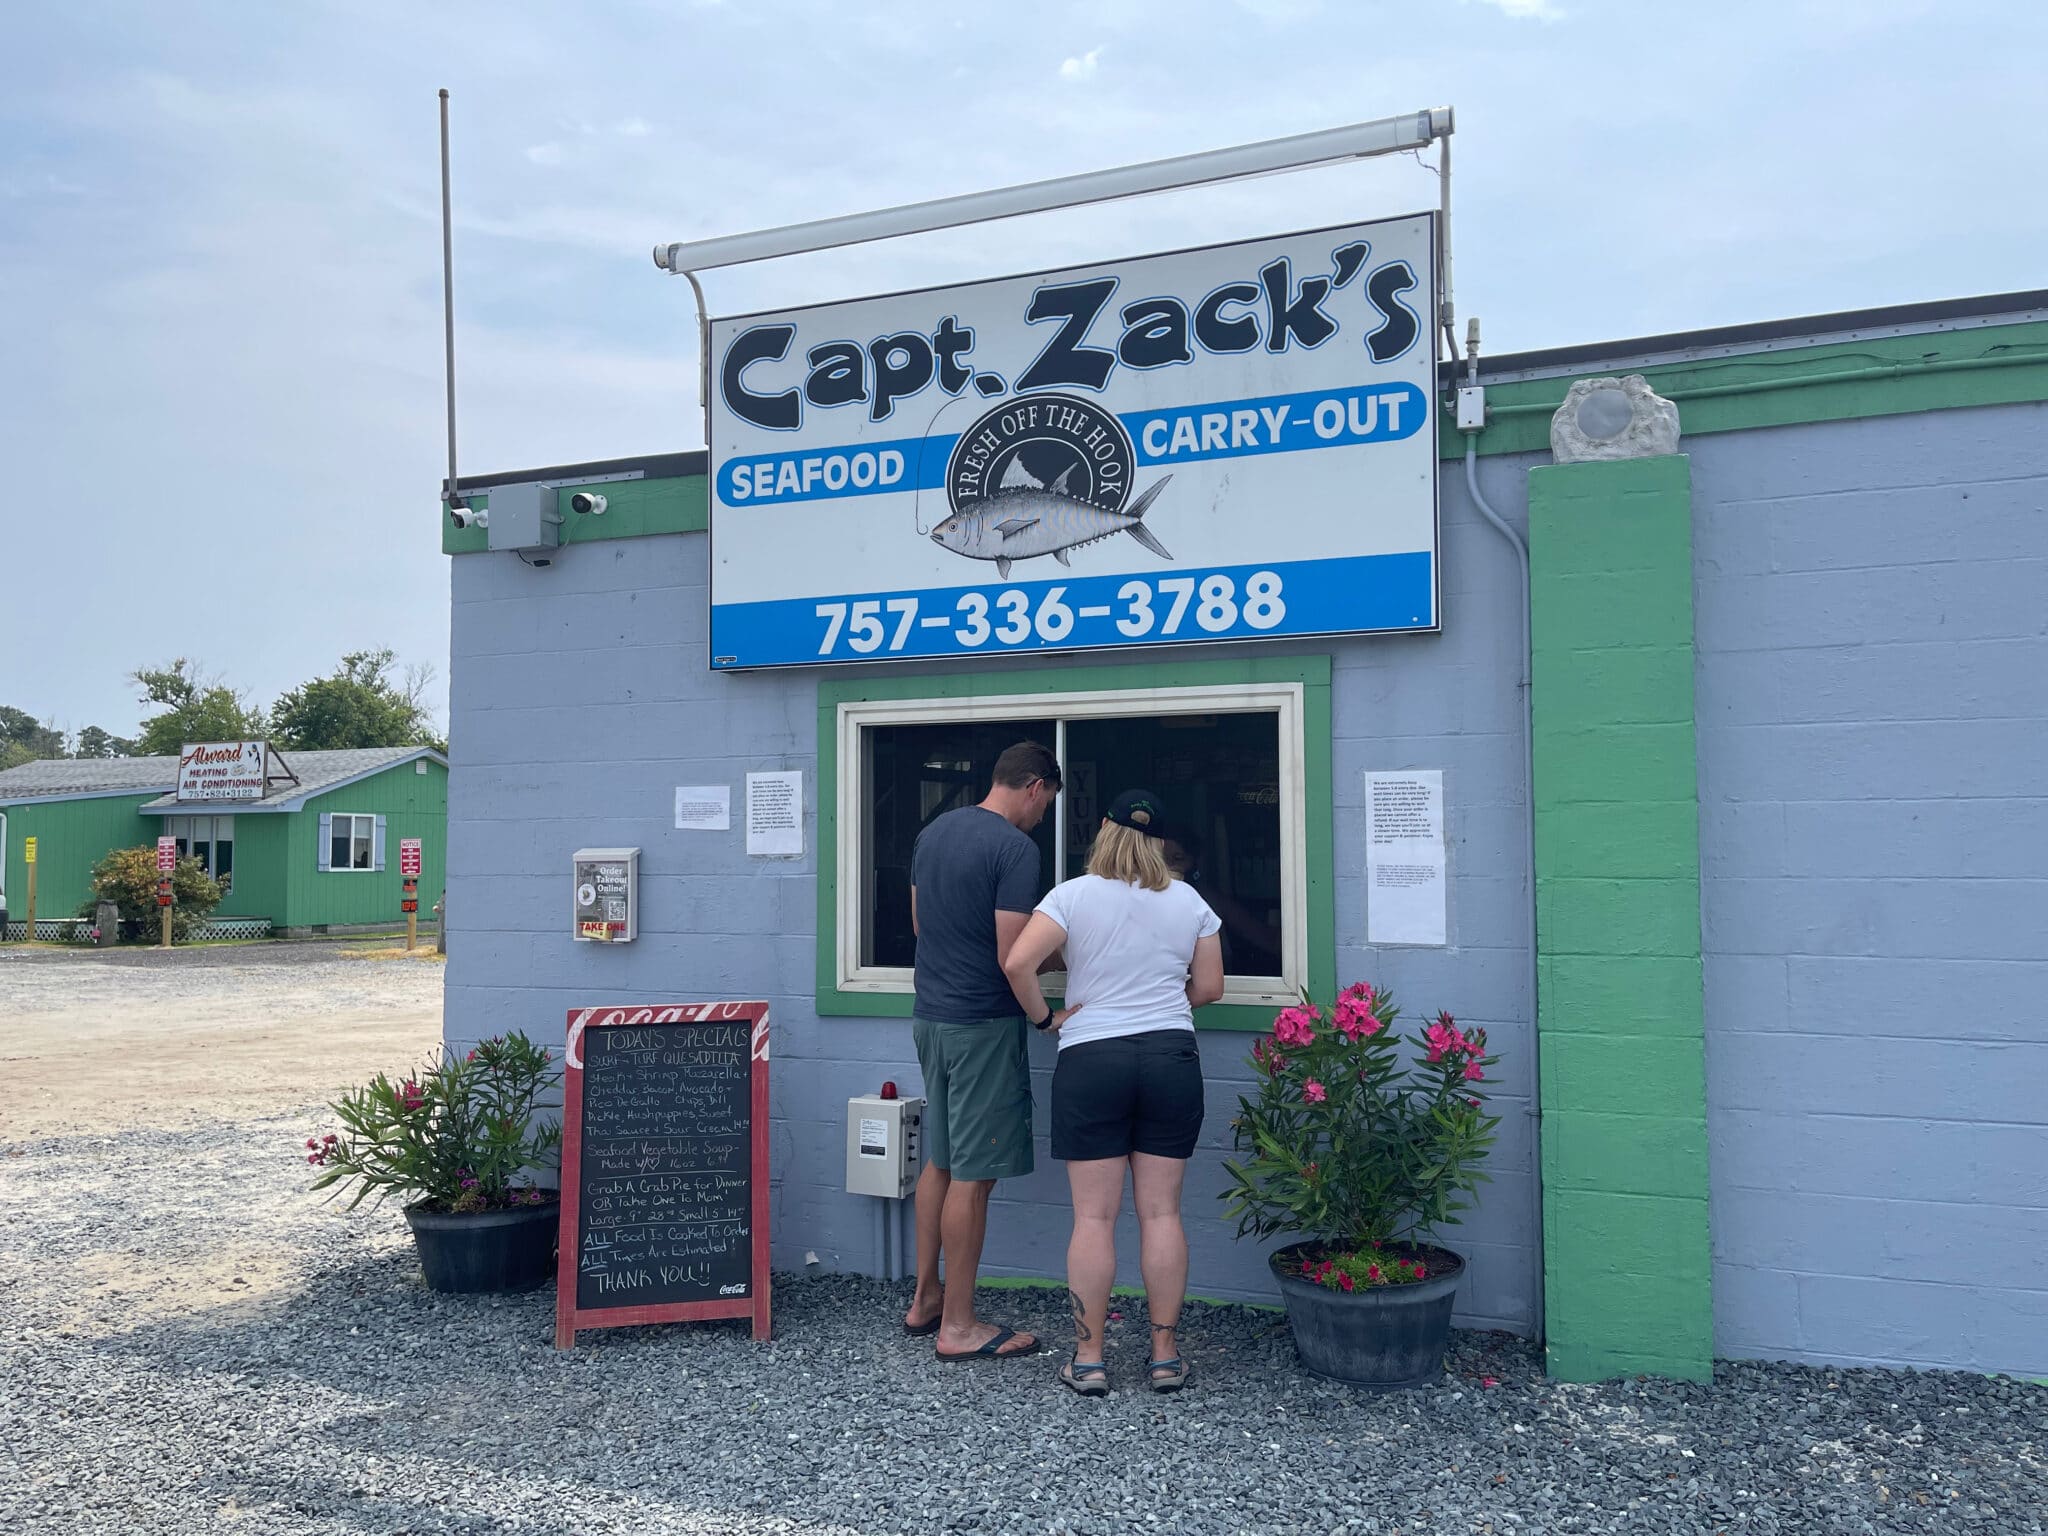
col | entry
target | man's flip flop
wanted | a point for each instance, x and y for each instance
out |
(927, 1329)
(993, 1349)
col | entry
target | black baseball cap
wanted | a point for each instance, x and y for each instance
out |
(1141, 811)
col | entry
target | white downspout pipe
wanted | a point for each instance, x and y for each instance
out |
(1521, 549)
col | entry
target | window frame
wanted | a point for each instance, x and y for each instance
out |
(351, 868)
(1296, 689)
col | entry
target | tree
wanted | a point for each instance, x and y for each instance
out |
(94, 742)
(196, 709)
(128, 876)
(25, 739)
(358, 705)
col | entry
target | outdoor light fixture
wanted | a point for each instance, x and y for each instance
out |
(1389, 135)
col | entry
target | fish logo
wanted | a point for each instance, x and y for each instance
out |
(1043, 475)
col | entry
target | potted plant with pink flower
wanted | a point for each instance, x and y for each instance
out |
(1364, 1147)
(462, 1141)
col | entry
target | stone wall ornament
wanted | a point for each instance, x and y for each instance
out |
(1613, 419)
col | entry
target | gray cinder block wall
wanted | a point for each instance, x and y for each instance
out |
(581, 699)
(1872, 696)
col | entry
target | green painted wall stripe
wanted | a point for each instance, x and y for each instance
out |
(1312, 672)
(1939, 370)
(1627, 1264)
(1841, 381)
(633, 509)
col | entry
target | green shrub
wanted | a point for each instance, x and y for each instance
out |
(127, 877)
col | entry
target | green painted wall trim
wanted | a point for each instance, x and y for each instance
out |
(1627, 1264)
(633, 509)
(71, 836)
(1887, 376)
(1312, 672)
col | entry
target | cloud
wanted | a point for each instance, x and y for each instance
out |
(545, 154)
(1525, 10)
(633, 128)
(1082, 68)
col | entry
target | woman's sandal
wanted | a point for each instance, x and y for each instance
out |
(1176, 1378)
(1090, 1380)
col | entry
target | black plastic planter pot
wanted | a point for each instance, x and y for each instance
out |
(1382, 1338)
(486, 1250)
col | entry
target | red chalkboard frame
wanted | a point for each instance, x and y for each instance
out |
(568, 1316)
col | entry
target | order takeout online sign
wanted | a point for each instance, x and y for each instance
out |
(1235, 442)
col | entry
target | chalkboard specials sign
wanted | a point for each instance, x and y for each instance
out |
(664, 1167)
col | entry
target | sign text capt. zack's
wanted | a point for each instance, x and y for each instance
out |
(1275, 312)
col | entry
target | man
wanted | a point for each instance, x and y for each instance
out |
(973, 884)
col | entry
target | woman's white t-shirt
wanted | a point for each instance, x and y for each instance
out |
(1128, 953)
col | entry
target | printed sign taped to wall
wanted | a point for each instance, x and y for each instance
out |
(1230, 443)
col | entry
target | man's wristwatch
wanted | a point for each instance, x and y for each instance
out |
(1046, 1022)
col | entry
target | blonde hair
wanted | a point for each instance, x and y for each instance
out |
(1123, 853)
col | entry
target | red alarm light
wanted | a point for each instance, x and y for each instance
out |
(888, 1090)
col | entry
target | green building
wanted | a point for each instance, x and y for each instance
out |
(318, 853)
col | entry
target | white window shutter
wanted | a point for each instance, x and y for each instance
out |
(377, 846)
(326, 842)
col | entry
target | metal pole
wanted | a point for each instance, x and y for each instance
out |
(452, 497)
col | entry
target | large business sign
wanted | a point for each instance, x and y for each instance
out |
(222, 770)
(1231, 443)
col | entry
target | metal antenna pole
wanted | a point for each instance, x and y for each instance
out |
(451, 496)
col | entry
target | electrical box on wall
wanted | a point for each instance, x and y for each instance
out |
(523, 517)
(882, 1153)
(605, 895)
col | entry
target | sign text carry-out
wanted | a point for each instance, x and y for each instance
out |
(1236, 442)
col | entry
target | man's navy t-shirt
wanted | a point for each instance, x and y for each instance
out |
(964, 867)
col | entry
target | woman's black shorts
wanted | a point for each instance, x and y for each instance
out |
(1136, 1093)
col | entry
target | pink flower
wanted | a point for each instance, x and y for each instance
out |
(1421, 1273)
(330, 1138)
(311, 1144)
(1473, 1102)
(1314, 1092)
(1295, 1026)
(1345, 1282)
(1474, 1072)
(1372, 1273)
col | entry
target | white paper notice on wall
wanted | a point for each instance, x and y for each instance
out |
(775, 815)
(704, 807)
(874, 1138)
(1405, 898)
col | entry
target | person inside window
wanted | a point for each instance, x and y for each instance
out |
(1142, 953)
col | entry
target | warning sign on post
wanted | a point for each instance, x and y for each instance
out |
(166, 854)
(409, 857)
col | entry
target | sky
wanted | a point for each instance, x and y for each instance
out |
(221, 386)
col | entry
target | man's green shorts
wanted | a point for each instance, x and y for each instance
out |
(977, 1088)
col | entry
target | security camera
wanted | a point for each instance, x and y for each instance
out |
(587, 501)
(469, 517)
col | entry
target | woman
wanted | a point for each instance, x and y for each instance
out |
(1142, 953)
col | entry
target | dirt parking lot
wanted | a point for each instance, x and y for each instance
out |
(92, 1040)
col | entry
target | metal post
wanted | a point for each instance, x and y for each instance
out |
(453, 496)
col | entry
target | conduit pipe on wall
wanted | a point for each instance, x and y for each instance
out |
(1521, 549)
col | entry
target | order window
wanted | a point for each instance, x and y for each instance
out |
(1227, 761)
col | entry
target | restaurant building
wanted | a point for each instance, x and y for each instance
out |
(1771, 1067)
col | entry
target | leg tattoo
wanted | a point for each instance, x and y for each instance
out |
(1080, 1318)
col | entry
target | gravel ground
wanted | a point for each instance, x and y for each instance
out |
(333, 1393)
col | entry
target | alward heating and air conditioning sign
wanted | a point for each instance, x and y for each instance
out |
(1231, 443)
